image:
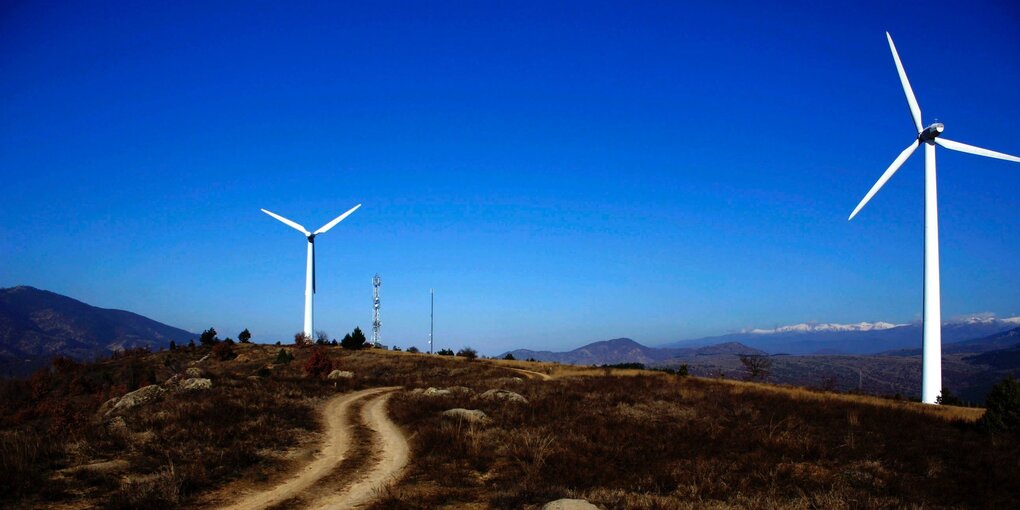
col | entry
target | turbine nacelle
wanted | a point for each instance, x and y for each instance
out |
(931, 132)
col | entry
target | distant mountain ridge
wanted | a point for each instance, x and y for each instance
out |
(37, 325)
(859, 338)
(625, 350)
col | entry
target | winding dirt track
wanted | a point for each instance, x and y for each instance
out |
(394, 454)
(531, 374)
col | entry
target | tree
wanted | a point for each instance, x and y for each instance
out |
(301, 339)
(757, 366)
(245, 336)
(1002, 406)
(191, 344)
(509, 357)
(319, 364)
(412, 349)
(228, 341)
(321, 337)
(395, 348)
(354, 340)
(208, 337)
(948, 399)
(468, 353)
(173, 345)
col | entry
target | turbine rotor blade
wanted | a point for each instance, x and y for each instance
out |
(896, 164)
(915, 110)
(289, 223)
(336, 220)
(962, 147)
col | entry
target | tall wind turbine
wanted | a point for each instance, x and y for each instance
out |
(931, 358)
(310, 268)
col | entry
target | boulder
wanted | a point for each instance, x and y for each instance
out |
(193, 372)
(468, 415)
(435, 392)
(569, 504)
(133, 399)
(508, 396)
(340, 374)
(196, 383)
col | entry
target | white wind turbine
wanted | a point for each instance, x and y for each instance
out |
(310, 268)
(931, 358)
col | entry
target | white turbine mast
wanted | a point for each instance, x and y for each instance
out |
(310, 265)
(931, 358)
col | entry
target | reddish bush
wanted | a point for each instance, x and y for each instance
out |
(319, 364)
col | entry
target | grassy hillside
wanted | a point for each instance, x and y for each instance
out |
(619, 438)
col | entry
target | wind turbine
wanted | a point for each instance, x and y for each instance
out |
(931, 357)
(310, 268)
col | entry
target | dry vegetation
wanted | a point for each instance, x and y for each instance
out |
(645, 441)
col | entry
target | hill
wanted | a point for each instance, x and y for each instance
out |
(477, 434)
(861, 338)
(36, 325)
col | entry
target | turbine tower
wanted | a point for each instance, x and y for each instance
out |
(931, 358)
(376, 323)
(310, 265)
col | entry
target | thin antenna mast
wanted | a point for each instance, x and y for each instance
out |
(376, 323)
(432, 317)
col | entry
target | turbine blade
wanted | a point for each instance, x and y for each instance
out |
(289, 223)
(896, 164)
(962, 147)
(336, 220)
(915, 110)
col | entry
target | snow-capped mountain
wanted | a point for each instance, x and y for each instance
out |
(859, 338)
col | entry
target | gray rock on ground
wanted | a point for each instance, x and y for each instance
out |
(569, 504)
(340, 374)
(196, 383)
(133, 399)
(193, 372)
(508, 396)
(468, 415)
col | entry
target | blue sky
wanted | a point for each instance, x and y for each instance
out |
(560, 174)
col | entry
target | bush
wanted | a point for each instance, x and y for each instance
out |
(223, 352)
(319, 364)
(1003, 407)
(412, 349)
(283, 357)
(208, 337)
(301, 339)
(244, 337)
(468, 353)
(445, 352)
(757, 366)
(509, 357)
(947, 398)
(173, 345)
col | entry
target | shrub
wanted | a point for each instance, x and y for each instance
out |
(412, 349)
(1003, 407)
(208, 337)
(682, 370)
(445, 352)
(509, 357)
(283, 357)
(321, 337)
(223, 352)
(468, 353)
(319, 364)
(301, 339)
(947, 398)
(757, 366)
(244, 337)
(173, 345)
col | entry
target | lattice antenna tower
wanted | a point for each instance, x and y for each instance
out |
(376, 323)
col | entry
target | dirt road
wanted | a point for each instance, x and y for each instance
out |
(531, 374)
(386, 435)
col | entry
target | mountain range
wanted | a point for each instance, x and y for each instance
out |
(37, 325)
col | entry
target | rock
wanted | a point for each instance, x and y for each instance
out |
(459, 389)
(435, 392)
(340, 374)
(509, 396)
(469, 415)
(569, 504)
(196, 383)
(134, 399)
(193, 372)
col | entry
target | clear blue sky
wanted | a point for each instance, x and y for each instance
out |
(559, 174)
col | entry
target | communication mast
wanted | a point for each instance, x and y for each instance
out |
(376, 323)
(432, 316)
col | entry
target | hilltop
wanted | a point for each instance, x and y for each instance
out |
(215, 428)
